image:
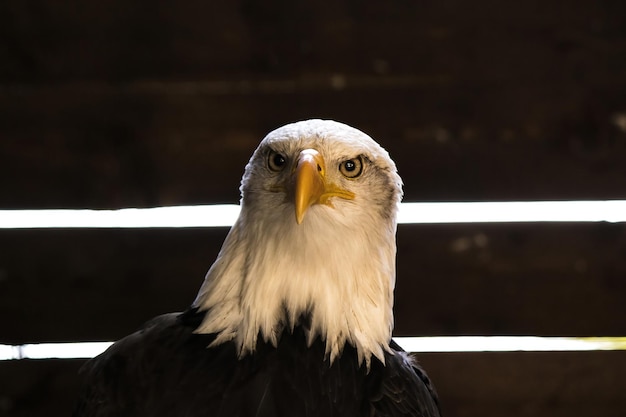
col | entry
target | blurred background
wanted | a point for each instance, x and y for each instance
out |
(117, 104)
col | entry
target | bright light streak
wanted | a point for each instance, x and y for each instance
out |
(224, 215)
(509, 344)
(458, 344)
(80, 350)
(612, 211)
(219, 215)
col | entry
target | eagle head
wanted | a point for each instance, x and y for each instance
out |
(315, 238)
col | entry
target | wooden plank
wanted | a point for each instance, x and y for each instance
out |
(582, 384)
(98, 285)
(483, 41)
(529, 384)
(38, 387)
(473, 279)
(72, 148)
(545, 279)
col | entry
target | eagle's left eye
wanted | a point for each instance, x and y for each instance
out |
(351, 168)
(276, 162)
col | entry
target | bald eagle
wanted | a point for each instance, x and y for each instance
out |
(294, 318)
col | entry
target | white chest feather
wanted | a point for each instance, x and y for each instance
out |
(270, 273)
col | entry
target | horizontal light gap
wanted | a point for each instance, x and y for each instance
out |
(224, 215)
(509, 344)
(79, 350)
(455, 344)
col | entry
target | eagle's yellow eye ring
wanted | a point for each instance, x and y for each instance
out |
(351, 168)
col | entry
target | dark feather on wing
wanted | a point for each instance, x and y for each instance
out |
(165, 369)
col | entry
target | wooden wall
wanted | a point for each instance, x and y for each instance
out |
(118, 104)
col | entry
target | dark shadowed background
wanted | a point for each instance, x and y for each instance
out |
(120, 103)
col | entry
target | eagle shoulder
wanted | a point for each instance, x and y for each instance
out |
(403, 388)
(165, 369)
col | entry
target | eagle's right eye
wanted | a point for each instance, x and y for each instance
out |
(276, 162)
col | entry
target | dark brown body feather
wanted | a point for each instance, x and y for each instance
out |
(167, 370)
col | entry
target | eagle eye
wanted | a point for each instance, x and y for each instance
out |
(351, 168)
(276, 162)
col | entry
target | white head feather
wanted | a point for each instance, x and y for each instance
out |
(338, 265)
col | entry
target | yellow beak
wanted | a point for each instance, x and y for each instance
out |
(309, 181)
(311, 186)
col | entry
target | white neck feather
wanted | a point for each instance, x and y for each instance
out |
(340, 272)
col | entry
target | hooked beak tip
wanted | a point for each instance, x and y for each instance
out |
(309, 182)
